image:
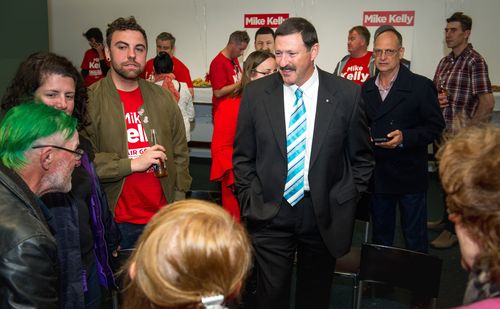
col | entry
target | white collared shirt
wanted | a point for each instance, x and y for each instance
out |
(310, 97)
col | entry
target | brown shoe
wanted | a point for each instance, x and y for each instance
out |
(438, 225)
(445, 240)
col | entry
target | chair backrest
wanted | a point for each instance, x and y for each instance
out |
(415, 271)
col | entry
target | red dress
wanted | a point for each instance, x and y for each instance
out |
(225, 119)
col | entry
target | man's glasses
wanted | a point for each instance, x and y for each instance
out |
(266, 73)
(78, 152)
(387, 52)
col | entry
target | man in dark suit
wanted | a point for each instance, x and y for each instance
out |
(302, 157)
(404, 118)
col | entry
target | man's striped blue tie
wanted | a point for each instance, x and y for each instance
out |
(296, 151)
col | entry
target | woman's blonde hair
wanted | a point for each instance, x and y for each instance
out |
(470, 173)
(190, 249)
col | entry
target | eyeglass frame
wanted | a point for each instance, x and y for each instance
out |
(78, 151)
(388, 52)
(265, 73)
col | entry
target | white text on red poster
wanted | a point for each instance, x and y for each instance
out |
(393, 18)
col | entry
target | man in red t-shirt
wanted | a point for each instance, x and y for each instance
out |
(165, 42)
(125, 160)
(359, 65)
(94, 65)
(225, 70)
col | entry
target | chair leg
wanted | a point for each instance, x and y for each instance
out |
(359, 294)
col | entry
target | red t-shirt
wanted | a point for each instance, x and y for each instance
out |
(90, 62)
(142, 195)
(223, 72)
(357, 70)
(181, 71)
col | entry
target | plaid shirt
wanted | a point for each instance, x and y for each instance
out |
(465, 77)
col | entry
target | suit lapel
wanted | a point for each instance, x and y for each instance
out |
(274, 106)
(325, 108)
(401, 86)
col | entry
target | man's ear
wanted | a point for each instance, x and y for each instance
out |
(314, 51)
(107, 53)
(46, 158)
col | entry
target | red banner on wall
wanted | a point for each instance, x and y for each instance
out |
(264, 20)
(393, 18)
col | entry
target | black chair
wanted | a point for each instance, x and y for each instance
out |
(211, 196)
(349, 264)
(417, 272)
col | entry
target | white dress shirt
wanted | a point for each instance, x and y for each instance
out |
(310, 97)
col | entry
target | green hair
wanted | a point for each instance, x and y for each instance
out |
(25, 124)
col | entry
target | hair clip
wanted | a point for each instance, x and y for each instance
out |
(213, 302)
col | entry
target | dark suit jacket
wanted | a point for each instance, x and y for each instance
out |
(341, 160)
(412, 107)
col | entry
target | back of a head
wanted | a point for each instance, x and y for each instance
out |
(469, 170)
(190, 249)
(163, 63)
(26, 123)
(299, 25)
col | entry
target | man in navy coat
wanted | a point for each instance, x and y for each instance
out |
(404, 117)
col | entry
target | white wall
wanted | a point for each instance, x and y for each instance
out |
(202, 27)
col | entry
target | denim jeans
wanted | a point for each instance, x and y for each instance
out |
(130, 234)
(413, 215)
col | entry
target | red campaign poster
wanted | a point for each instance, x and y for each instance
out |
(264, 20)
(393, 18)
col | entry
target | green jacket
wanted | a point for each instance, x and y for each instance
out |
(107, 133)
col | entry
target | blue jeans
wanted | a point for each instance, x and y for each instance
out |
(413, 211)
(130, 234)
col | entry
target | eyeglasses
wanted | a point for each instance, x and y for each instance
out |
(265, 73)
(78, 152)
(388, 52)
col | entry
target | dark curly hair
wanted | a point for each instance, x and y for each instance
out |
(123, 24)
(31, 75)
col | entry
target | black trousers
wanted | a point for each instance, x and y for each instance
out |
(293, 230)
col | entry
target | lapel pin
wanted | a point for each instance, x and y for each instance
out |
(327, 100)
(146, 120)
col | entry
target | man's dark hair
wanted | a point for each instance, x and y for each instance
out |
(163, 63)
(362, 31)
(388, 28)
(122, 24)
(94, 33)
(463, 19)
(239, 37)
(264, 30)
(166, 36)
(299, 25)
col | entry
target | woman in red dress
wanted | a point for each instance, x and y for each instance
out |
(258, 64)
